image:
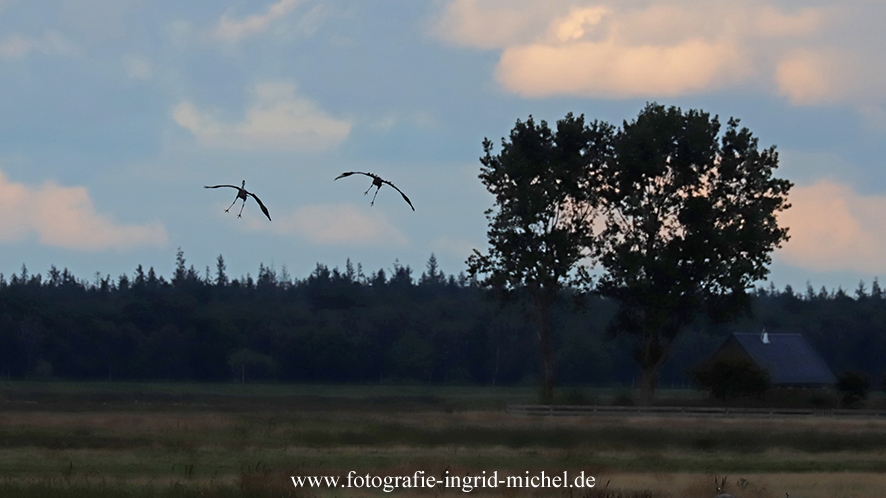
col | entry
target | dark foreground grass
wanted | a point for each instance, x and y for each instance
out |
(134, 440)
(338, 427)
(60, 489)
(149, 396)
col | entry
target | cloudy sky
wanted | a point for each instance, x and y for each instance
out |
(115, 113)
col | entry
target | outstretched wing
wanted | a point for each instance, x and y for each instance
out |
(401, 193)
(262, 206)
(349, 173)
(217, 186)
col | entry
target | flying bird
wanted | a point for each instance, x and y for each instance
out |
(242, 193)
(377, 182)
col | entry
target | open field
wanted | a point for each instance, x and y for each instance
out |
(81, 439)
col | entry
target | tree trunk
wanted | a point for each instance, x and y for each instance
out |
(648, 383)
(546, 354)
(547, 366)
(651, 355)
(495, 372)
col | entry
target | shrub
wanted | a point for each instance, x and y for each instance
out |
(623, 399)
(854, 386)
(823, 399)
(257, 364)
(577, 397)
(43, 369)
(731, 377)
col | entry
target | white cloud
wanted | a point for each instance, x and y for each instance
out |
(180, 32)
(332, 224)
(608, 69)
(812, 54)
(312, 20)
(17, 46)
(229, 29)
(278, 118)
(771, 22)
(492, 23)
(579, 22)
(833, 228)
(65, 217)
(819, 76)
(138, 67)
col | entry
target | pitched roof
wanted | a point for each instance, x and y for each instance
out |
(788, 358)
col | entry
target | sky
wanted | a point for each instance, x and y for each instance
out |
(115, 113)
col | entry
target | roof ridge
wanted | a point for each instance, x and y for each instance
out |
(770, 333)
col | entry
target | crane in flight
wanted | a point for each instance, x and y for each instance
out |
(242, 193)
(377, 182)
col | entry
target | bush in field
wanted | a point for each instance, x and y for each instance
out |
(577, 397)
(43, 369)
(623, 399)
(731, 378)
(258, 365)
(854, 386)
(823, 399)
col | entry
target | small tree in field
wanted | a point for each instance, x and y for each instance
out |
(541, 228)
(854, 386)
(246, 359)
(730, 378)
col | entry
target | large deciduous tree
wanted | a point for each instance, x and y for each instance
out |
(541, 227)
(691, 225)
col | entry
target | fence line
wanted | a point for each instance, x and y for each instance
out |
(691, 411)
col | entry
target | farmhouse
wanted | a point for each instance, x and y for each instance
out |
(789, 359)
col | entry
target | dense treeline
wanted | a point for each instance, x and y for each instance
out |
(346, 326)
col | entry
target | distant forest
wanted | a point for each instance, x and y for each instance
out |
(343, 326)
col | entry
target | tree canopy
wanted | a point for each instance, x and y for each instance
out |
(691, 225)
(690, 221)
(541, 228)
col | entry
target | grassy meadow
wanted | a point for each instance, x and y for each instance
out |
(228, 440)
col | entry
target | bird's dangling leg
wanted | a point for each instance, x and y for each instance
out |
(240, 214)
(370, 188)
(232, 205)
(374, 196)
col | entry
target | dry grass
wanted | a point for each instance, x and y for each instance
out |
(240, 448)
(799, 485)
(147, 422)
